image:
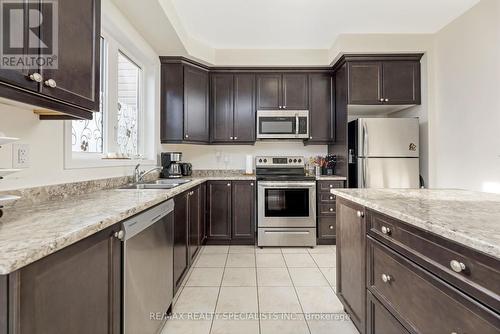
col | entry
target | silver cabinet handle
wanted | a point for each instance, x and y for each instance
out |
(330, 227)
(331, 185)
(251, 184)
(187, 136)
(310, 137)
(51, 83)
(386, 100)
(235, 138)
(360, 214)
(331, 209)
(331, 197)
(229, 184)
(457, 266)
(36, 77)
(386, 278)
(284, 107)
(120, 234)
(231, 138)
(381, 100)
(280, 107)
(386, 230)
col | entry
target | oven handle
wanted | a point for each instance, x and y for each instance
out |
(287, 232)
(272, 184)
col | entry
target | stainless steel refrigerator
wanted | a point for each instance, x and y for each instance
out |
(384, 153)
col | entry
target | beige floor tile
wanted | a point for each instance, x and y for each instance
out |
(240, 260)
(322, 249)
(299, 260)
(242, 249)
(221, 326)
(211, 260)
(325, 260)
(295, 325)
(239, 277)
(307, 277)
(294, 250)
(215, 249)
(319, 300)
(268, 250)
(331, 276)
(273, 277)
(187, 327)
(205, 277)
(237, 299)
(270, 261)
(197, 299)
(334, 326)
(278, 299)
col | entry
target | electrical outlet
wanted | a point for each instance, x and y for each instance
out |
(20, 155)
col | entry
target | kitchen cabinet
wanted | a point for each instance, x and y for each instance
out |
(194, 218)
(72, 89)
(326, 211)
(184, 115)
(379, 80)
(321, 110)
(181, 228)
(203, 213)
(232, 108)
(379, 320)
(243, 211)
(351, 260)
(75, 290)
(231, 212)
(219, 198)
(282, 91)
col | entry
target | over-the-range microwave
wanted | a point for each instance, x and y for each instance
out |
(282, 124)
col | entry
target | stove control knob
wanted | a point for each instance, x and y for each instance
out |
(294, 160)
(300, 160)
(290, 160)
(260, 160)
(265, 161)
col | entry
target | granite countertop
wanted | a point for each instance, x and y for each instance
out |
(31, 232)
(466, 217)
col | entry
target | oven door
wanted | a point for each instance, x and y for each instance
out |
(286, 204)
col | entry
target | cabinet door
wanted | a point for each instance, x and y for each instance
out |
(194, 221)
(269, 92)
(295, 91)
(203, 213)
(401, 82)
(351, 260)
(379, 320)
(365, 82)
(75, 290)
(222, 107)
(219, 210)
(21, 77)
(172, 103)
(196, 122)
(243, 211)
(77, 75)
(244, 108)
(180, 238)
(321, 118)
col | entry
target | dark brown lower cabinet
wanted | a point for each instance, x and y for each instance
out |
(231, 212)
(203, 213)
(180, 238)
(351, 260)
(326, 211)
(75, 290)
(379, 320)
(194, 222)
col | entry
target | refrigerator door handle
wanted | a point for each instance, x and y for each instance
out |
(364, 173)
(365, 140)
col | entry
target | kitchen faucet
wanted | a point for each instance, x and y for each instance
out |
(139, 175)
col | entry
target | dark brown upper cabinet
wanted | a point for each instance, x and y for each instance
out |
(282, 91)
(184, 102)
(321, 110)
(232, 108)
(383, 79)
(70, 91)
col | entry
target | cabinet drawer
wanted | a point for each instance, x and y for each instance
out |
(327, 197)
(326, 209)
(327, 227)
(379, 320)
(480, 276)
(425, 303)
(327, 185)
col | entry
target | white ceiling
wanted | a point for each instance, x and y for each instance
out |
(308, 24)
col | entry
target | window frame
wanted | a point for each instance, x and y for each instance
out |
(147, 155)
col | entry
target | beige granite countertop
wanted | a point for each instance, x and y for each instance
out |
(31, 232)
(466, 217)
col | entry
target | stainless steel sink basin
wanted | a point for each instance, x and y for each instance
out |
(158, 184)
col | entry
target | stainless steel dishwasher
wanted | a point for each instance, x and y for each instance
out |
(148, 269)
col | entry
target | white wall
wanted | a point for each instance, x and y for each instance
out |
(46, 138)
(467, 123)
(205, 156)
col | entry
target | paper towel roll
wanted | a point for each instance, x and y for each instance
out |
(249, 164)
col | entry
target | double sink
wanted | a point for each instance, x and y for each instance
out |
(158, 184)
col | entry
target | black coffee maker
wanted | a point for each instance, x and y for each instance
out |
(171, 163)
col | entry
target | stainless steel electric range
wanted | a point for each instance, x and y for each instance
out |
(286, 202)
